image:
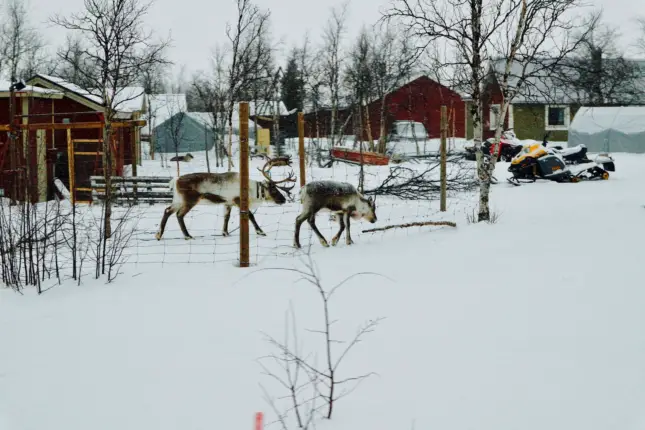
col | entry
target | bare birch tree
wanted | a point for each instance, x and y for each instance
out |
(640, 41)
(467, 27)
(244, 60)
(536, 40)
(21, 46)
(212, 91)
(120, 49)
(392, 63)
(474, 29)
(332, 61)
(598, 73)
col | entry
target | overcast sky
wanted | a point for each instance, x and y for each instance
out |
(197, 25)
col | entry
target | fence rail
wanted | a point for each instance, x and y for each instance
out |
(133, 190)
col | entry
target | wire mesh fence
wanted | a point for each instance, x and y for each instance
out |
(205, 221)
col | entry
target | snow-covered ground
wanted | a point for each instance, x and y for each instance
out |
(534, 322)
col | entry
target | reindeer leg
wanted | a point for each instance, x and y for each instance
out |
(341, 221)
(258, 230)
(296, 235)
(312, 223)
(181, 213)
(227, 217)
(348, 237)
(162, 226)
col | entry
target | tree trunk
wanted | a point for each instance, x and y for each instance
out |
(107, 173)
(382, 142)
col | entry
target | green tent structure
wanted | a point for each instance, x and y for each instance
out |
(184, 132)
(609, 129)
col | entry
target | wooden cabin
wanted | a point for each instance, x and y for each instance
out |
(58, 134)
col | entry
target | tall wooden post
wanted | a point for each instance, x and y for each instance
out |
(134, 144)
(444, 132)
(70, 163)
(301, 147)
(244, 184)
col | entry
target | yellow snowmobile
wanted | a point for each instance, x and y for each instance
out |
(535, 161)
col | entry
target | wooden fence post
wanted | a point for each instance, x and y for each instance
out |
(244, 184)
(444, 132)
(301, 147)
(70, 165)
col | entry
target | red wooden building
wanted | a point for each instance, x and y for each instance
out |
(58, 135)
(419, 100)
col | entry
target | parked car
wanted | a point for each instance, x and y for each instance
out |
(407, 138)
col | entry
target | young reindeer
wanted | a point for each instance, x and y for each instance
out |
(224, 188)
(339, 198)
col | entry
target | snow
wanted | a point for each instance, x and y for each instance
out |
(625, 119)
(533, 322)
(6, 85)
(126, 99)
(162, 107)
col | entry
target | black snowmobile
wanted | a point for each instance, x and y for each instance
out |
(578, 155)
(538, 162)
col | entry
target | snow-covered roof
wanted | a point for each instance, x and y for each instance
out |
(130, 99)
(547, 82)
(162, 107)
(625, 119)
(206, 118)
(539, 86)
(264, 107)
(71, 87)
(5, 87)
(127, 99)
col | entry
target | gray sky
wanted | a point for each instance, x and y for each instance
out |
(197, 25)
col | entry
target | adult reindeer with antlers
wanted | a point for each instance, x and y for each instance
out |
(224, 188)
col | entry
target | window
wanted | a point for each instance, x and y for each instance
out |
(494, 115)
(556, 117)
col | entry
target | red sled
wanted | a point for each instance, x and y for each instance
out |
(354, 156)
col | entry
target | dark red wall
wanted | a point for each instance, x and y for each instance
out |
(56, 142)
(420, 100)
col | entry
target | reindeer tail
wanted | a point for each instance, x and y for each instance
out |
(171, 184)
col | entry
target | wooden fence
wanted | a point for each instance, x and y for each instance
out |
(133, 189)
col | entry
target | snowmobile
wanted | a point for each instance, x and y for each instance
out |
(510, 147)
(578, 155)
(536, 161)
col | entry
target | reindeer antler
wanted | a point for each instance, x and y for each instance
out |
(284, 160)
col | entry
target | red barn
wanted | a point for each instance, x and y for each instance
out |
(419, 100)
(54, 120)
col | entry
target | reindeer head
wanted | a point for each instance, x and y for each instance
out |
(271, 186)
(366, 208)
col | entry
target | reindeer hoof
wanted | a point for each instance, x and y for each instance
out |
(261, 233)
(225, 233)
(188, 237)
(296, 245)
(334, 241)
(350, 242)
(158, 236)
(324, 243)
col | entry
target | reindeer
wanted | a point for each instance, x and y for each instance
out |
(341, 199)
(185, 158)
(224, 188)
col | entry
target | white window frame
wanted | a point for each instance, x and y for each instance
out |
(567, 118)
